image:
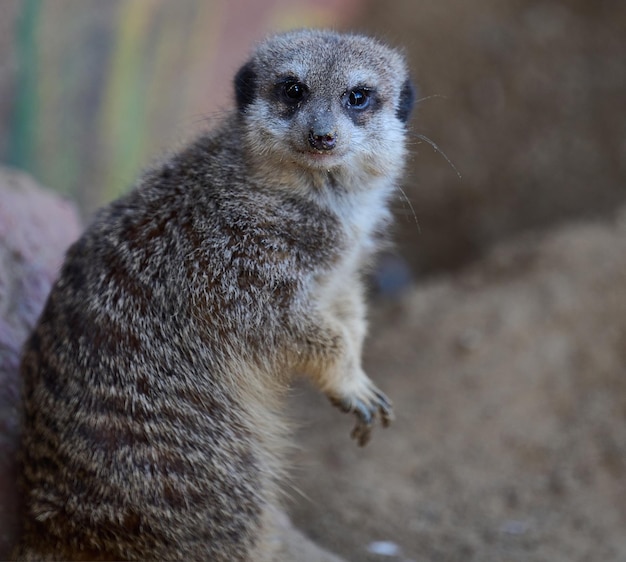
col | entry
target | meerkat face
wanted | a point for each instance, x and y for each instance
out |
(320, 100)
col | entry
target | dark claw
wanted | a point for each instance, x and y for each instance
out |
(385, 408)
(361, 433)
(384, 402)
(365, 413)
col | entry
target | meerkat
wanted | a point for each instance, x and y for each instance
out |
(155, 378)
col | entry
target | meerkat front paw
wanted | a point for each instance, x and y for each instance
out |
(367, 403)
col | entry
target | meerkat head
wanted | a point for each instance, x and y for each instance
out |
(320, 101)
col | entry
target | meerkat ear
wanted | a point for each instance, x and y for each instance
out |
(245, 86)
(406, 101)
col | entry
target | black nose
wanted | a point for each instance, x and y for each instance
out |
(326, 141)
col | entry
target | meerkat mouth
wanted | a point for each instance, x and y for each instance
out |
(321, 159)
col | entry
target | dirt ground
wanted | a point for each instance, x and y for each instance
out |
(509, 385)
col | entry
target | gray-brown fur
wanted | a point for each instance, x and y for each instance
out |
(153, 382)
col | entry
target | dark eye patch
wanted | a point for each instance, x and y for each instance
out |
(291, 91)
(406, 101)
(358, 99)
(359, 102)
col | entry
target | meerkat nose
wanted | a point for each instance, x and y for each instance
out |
(322, 141)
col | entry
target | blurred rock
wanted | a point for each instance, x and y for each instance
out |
(36, 227)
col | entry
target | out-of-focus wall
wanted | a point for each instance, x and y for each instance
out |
(92, 91)
(527, 98)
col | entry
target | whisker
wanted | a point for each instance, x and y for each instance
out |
(437, 149)
(420, 100)
(408, 202)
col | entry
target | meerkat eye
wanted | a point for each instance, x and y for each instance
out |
(359, 98)
(293, 91)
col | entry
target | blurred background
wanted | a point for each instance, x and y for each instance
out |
(94, 91)
(525, 98)
(506, 351)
